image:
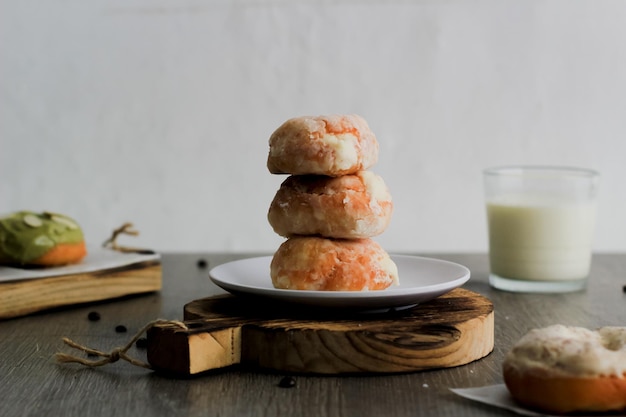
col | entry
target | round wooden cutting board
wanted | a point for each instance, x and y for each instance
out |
(453, 329)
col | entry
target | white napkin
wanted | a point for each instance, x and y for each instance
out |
(97, 259)
(497, 396)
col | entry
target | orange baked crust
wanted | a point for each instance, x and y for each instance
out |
(545, 391)
(319, 264)
(62, 254)
(331, 145)
(339, 207)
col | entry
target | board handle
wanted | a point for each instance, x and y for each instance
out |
(198, 347)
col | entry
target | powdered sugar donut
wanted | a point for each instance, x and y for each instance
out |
(346, 207)
(320, 264)
(324, 145)
(563, 369)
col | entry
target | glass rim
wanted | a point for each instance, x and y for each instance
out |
(519, 170)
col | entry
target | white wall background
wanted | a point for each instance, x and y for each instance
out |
(158, 111)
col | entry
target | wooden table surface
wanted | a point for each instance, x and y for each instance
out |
(32, 383)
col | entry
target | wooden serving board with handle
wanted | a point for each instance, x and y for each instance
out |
(453, 329)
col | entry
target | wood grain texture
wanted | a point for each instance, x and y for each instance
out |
(451, 330)
(18, 298)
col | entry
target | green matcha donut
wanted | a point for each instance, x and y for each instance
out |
(46, 239)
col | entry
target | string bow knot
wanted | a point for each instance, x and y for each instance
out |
(114, 355)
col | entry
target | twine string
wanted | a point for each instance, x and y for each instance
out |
(117, 353)
(125, 229)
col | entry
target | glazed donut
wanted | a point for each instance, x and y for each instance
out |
(561, 369)
(324, 145)
(346, 207)
(320, 264)
(40, 239)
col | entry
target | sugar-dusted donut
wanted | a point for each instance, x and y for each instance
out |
(324, 145)
(348, 207)
(320, 264)
(40, 239)
(562, 369)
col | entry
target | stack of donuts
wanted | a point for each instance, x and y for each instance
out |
(329, 207)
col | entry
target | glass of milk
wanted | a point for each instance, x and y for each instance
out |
(541, 224)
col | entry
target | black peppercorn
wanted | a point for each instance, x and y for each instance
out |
(202, 264)
(120, 329)
(93, 316)
(287, 382)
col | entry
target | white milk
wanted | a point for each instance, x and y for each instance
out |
(540, 241)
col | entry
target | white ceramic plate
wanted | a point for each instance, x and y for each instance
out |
(421, 279)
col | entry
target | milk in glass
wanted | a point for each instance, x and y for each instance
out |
(540, 240)
(540, 222)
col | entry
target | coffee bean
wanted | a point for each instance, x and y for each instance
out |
(287, 382)
(141, 343)
(93, 316)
